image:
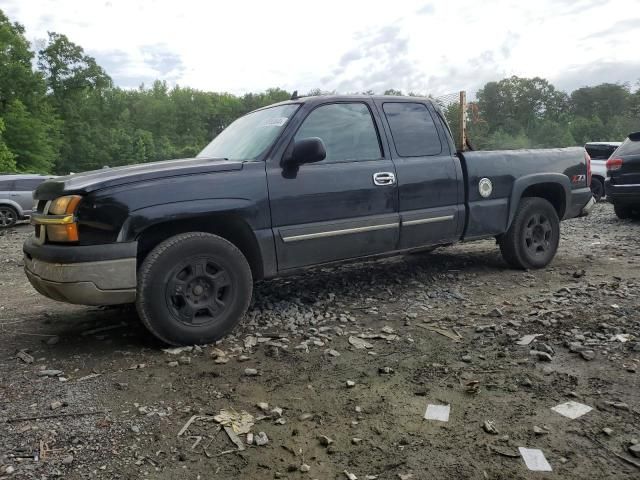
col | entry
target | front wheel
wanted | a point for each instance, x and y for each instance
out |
(533, 237)
(193, 288)
(8, 216)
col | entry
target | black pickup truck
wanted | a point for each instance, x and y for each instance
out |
(305, 182)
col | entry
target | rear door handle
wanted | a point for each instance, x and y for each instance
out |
(384, 178)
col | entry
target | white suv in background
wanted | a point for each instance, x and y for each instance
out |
(16, 196)
(599, 153)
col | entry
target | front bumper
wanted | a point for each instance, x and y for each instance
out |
(85, 275)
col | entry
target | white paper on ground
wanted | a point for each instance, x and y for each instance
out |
(527, 339)
(572, 409)
(534, 459)
(437, 412)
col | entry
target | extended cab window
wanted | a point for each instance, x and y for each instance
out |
(347, 130)
(413, 130)
(6, 186)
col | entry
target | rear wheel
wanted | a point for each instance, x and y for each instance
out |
(533, 237)
(8, 216)
(597, 188)
(623, 211)
(193, 288)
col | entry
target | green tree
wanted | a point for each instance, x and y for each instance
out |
(7, 159)
(604, 101)
(31, 129)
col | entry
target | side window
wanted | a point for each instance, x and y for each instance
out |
(27, 185)
(347, 130)
(413, 130)
(6, 185)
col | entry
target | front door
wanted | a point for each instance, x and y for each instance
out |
(430, 179)
(345, 206)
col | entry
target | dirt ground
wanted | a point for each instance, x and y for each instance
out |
(439, 328)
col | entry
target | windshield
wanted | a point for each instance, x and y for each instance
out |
(251, 135)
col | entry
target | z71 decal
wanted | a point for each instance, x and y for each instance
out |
(578, 178)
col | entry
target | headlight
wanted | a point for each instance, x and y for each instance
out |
(60, 222)
(64, 205)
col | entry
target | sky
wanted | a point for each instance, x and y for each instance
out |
(426, 46)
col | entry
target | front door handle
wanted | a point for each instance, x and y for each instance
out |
(384, 178)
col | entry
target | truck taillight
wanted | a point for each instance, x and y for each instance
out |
(587, 159)
(614, 164)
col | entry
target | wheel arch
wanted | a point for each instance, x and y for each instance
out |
(555, 188)
(9, 203)
(231, 226)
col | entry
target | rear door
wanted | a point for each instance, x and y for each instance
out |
(430, 184)
(345, 206)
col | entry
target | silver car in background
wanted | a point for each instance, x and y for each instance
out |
(16, 196)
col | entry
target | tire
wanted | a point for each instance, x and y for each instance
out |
(533, 237)
(597, 188)
(193, 288)
(622, 211)
(8, 216)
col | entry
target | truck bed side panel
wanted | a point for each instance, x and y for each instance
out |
(562, 169)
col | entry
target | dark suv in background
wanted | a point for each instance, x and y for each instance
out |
(623, 178)
(16, 196)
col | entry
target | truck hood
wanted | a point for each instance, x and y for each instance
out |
(110, 177)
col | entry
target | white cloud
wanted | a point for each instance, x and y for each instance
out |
(431, 46)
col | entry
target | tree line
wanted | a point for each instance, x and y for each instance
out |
(60, 112)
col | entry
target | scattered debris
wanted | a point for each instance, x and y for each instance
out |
(235, 439)
(534, 459)
(251, 372)
(504, 451)
(325, 441)
(446, 333)
(56, 415)
(177, 350)
(527, 339)
(261, 439)
(50, 373)
(359, 343)
(572, 409)
(438, 413)
(490, 427)
(240, 422)
(24, 356)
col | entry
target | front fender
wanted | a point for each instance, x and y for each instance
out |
(140, 220)
(522, 183)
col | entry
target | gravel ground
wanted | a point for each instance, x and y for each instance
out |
(337, 367)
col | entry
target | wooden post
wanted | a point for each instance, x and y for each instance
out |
(463, 121)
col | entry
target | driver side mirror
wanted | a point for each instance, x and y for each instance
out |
(307, 150)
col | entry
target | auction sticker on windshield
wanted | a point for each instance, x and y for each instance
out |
(275, 122)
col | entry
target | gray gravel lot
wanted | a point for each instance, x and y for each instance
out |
(347, 359)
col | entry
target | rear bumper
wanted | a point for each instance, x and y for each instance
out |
(581, 203)
(624, 194)
(96, 275)
(588, 207)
